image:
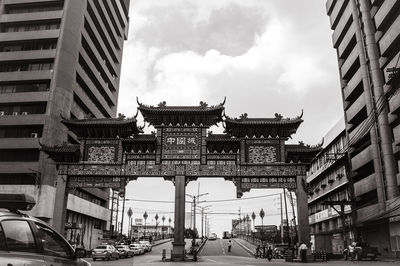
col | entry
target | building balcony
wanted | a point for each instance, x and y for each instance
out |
(14, 2)
(88, 208)
(362, 158)
(98, 76)
(26, 75)
(387, 42)
(22, 97)
(29, 35)
(25, 17)
(93, 89)
(356, 131)
(344, 46)
(15, 120)
(340, 31)
(365, 185)
(355, 108)
(19, 143)
(337, 11)
(366, 213)
(382, 15)
(28, 55)
(352, 84)
(349, 62)
(19, 167)
(329, 6)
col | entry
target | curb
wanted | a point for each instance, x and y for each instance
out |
(244, 247)
(162, 242)
(201, 247)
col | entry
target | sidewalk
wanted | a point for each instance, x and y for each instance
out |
(250, 248)
(161, 241)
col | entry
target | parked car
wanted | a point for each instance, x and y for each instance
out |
(148, 246)
(105, 252)
(361, 250)
(25, 240)
(124, 251)
(138, 249)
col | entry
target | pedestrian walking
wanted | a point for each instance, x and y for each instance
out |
(229, 245)
(303, 252)
(269, 253)
(257, 251)
(351, 250)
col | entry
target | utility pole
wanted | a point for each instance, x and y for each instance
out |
(282, 235)
(294, 215)
(287, 219)
(195, 201)
(123, 212)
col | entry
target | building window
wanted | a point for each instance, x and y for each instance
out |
(32, 8)
(19, 179)
(23, 109)
(21, 132)
(19, 155)
(15, 67)
(24, 87)
(20, 27)
(28, 46)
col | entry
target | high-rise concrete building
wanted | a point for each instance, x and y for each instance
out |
(58, 58)
(366, 36)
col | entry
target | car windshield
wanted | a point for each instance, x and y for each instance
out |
(120, 246)
(101, 247)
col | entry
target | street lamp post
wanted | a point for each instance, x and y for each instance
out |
(194, 209)
(169, 221)
(253, 216)
(262, 214)
(162, 230)
(156, 217)
(145, 215)
(130, 212)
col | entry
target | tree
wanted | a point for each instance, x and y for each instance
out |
(163, 219)
(253, 216)
(130, 212)
(169, 221)
(262, 214)
(156, 217)
(145, 215)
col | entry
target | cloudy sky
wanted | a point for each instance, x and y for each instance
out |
(265, 56)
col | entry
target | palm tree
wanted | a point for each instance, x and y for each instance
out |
(253, 216)
(130, 212)
(156, 217)
(145, 215)
(262, 214)
(169, 221)
(163, 219)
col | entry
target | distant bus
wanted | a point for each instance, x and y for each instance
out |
(226, 235)
(213, 236)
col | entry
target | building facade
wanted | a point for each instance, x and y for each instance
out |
(366, 36)
(327, 180)
(58, 58)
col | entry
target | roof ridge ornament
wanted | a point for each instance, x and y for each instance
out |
(301, 115)
(162, 104)
(243, 116)
(203, 104)
(222, 104)
(137, 100)
(278, 116)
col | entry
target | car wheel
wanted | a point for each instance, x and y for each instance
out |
(373, 258)
(94, 259)
(345, 256)
(357, 257)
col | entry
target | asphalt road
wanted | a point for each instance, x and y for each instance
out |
(216, 253)
(219, 247)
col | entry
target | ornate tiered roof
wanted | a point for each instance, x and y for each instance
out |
(163, 115)
(262, 127)
(301, 152)
(63, 153)
(103, 127)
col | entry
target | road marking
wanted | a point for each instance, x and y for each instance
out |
(211, 260)
(222, 247)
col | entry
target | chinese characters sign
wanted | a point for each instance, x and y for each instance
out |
(96, 182)
(181, 143)
(262, 154)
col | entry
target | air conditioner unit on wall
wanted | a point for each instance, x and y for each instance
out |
(14, 113)
(34, 135)
(24, 113)
(2, 113)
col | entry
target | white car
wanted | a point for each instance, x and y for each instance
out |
(148, 246)
(138, 249)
